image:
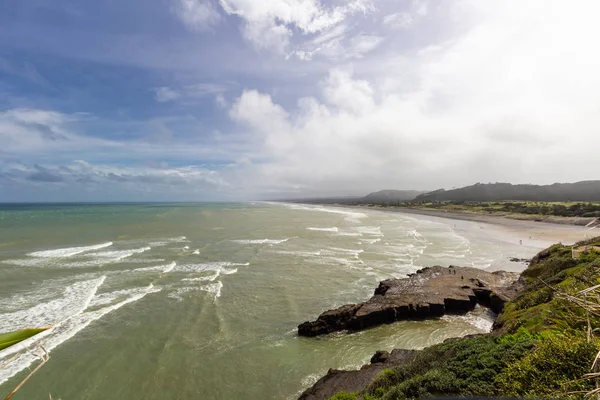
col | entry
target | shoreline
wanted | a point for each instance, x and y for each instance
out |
(489, 218)
(540, 234)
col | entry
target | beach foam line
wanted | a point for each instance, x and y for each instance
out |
(57, 335)
(332, 210)
(68, 251)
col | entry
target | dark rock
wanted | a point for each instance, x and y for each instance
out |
(380, 356)
(520, 260)
(431, 292)
(354, 381)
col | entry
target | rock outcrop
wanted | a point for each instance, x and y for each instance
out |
(429, 293)
(353, 381)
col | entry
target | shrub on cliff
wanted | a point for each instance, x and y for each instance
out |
(552, 369)
(462, 367)
(537, 308)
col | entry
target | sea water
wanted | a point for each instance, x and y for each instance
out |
(201, 301)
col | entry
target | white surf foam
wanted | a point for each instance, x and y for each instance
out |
(119, 254)
(351, 215)
(178, 294)
(369, 230)
(261, 241)
(209, 278)
(299, 253)
(169, 267)
(332, 229)
(214, 266)
(68, 251)
(337, 250)
(166, 241)
(74, 300)
(481, 318)
(358, 234)
(159, 268)
(89, 259)
(57, 335)
(213, 288)
(197, 251)
(106, 298)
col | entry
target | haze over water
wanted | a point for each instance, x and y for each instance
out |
(201, 301)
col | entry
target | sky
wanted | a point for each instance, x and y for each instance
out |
(204, 100)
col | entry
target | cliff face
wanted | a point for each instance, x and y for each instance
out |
(538, 347)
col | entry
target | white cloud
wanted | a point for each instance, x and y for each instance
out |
(362, 44)
(197, 15)
(398, 20)
(122, 181)
(334, 46)
(513, 95)
(27, 130)
(270, 24)
(221, 101)
(166, 94)
(418, 10)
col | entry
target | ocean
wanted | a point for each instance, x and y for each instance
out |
(201, 301)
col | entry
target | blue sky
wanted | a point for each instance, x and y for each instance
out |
(247, 99)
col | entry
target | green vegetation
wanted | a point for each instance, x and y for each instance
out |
(536, 308)
(12, 338)
(580, 191)
(539, 347)
(516, 209)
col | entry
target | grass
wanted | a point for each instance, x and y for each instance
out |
(12, 338)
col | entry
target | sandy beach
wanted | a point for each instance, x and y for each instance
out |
(543, 232)
(517, 238)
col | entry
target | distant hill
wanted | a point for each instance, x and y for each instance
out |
(385, 196)
(579, 191)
